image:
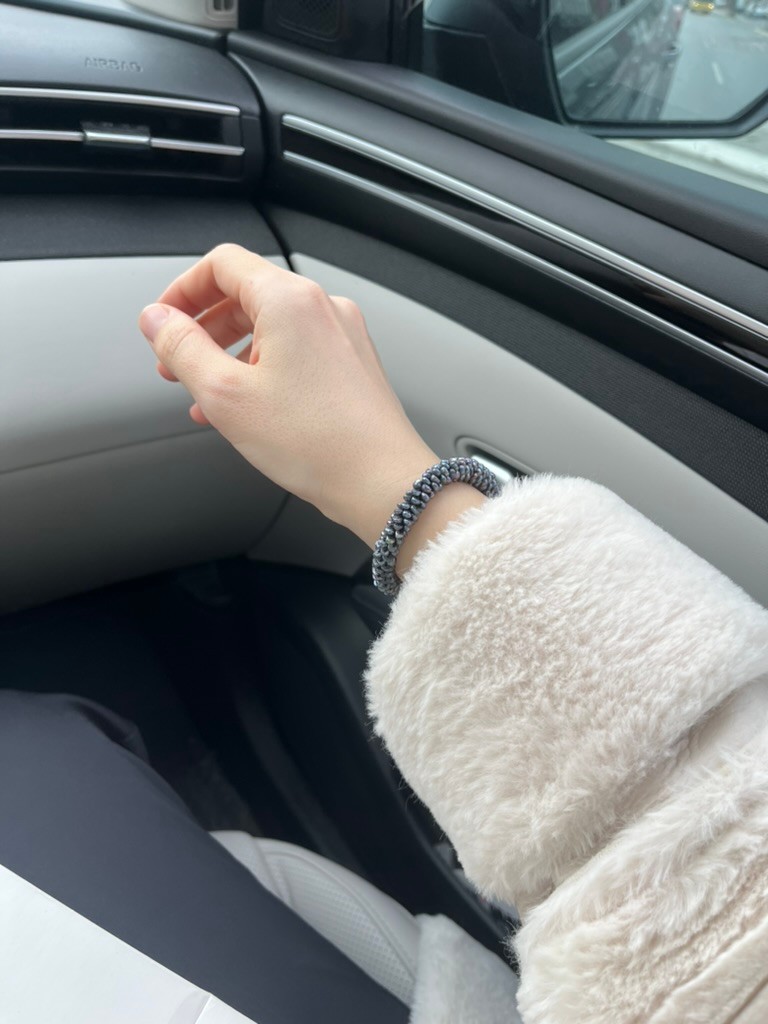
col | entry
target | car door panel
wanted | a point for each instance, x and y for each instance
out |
(684, 308)
(505, 403)
(657, 327)
(719, 445)
(730, 217)
(389, 135)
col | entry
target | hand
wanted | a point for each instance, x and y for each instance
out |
(307, 402)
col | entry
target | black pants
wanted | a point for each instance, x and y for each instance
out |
(84, 818)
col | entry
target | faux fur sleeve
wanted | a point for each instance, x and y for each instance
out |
(544, 668)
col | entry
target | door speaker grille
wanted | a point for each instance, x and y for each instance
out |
(319, 18)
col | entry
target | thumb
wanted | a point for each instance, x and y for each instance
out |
(186, 349)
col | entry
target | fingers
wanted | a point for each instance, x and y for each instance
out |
(348, 313)
(199, 417)
(166, 373)
(187, 351)
(227, 272)
(249, 356)
(226, 323)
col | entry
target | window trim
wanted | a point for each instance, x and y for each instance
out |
(679, 293)
(726, 215)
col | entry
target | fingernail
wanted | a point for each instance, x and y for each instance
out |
(152, 319)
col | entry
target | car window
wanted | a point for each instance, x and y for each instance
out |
(680, 80)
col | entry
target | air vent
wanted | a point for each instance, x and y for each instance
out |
(118, 134)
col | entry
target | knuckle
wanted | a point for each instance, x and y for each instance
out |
(310, 295)
(299, 299)
(350, 309)
(222, 387)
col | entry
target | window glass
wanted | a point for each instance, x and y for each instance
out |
(657, 60)
(681, 80)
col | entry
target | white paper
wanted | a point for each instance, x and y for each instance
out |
(56, 967)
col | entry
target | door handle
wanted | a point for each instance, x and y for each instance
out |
(502, 473)
(504, 467)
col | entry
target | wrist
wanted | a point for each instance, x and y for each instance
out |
(378, 490)
(411, 508)
(373, 495)
(440, 512)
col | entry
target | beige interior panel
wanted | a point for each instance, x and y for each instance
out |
(81, 523)
(76, 376)
(103, 476)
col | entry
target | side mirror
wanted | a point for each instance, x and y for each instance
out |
(616, 61)
(659, 62)
(622, 68)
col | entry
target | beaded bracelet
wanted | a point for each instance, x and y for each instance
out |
(462, 470)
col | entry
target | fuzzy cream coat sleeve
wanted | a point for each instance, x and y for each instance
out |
(582, 702)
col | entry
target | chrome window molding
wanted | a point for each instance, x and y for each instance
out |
(133, 98)
(689, 297)
(530, 259)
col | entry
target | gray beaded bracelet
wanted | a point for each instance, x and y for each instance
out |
(463, 470)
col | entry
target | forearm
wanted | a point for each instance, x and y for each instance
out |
(544, 670)
(555, 626)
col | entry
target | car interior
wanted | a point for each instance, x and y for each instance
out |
(540, 299)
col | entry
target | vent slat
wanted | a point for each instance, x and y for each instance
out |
(122, 133)
(39, 135)
(127, 98)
